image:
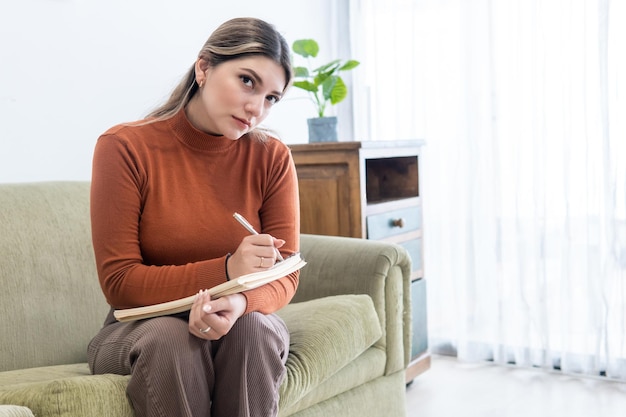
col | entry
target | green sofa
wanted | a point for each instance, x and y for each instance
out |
(349, 322)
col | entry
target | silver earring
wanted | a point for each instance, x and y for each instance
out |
(201, 84)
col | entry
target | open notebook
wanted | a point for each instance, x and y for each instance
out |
(243, 283)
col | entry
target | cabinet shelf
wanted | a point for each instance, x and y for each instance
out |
(391, 178)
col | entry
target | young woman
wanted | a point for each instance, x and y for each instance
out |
(163, 194)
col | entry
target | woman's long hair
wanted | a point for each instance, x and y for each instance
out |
(235, 38)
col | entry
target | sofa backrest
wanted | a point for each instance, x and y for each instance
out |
(51, 304)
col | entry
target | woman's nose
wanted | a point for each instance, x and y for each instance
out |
(255, 106)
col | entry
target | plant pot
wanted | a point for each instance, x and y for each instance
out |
(322, 129)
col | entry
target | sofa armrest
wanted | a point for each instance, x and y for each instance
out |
(341, 265)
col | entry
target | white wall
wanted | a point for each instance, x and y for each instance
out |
(69, 69)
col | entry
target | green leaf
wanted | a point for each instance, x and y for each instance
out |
(321, 78)
(329, 68)
(339, 91)
(305, 48)
(305, 85)
(328, 85)
(300, 72)
(349, 65)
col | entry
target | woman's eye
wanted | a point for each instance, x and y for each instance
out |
(247, 80)
(272, 99)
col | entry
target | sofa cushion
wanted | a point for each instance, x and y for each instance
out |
(326, 335)
(66, 390)
(368, 367)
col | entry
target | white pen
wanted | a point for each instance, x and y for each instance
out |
(250, 229)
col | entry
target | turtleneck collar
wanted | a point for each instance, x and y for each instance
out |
(187, 134)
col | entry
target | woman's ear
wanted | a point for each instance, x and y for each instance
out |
(201, 68)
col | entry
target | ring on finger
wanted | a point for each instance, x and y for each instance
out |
(205, 331)
(261, 263)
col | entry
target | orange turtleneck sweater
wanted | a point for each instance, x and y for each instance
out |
(163, 196)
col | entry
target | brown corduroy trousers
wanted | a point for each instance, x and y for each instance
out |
(174, 373)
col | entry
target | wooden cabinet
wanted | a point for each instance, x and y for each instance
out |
(369, 190)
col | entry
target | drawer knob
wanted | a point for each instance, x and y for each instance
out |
(398, 223)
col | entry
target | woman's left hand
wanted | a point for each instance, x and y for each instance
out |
(212, 319)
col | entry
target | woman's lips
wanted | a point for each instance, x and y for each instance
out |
(242, 122)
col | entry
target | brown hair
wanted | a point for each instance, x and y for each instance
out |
(235, 38)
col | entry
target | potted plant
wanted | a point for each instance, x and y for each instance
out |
(324, 85)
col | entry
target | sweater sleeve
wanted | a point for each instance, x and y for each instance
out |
(118, 181)
(279, 217)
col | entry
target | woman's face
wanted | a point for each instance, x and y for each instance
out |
(236, 95)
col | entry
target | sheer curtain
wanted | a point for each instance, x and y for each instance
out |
(522, 104)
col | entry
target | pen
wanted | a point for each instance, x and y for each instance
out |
(250, 229)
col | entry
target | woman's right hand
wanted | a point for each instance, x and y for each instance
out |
(211, 319)
(255, 253)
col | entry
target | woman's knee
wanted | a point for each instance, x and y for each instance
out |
(262, 331)
(164, 337)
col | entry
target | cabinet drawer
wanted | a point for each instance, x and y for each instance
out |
(394, 222)
(414, 248)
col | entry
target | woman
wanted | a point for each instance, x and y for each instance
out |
(163, 193)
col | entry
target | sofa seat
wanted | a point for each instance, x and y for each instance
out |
(320, 349)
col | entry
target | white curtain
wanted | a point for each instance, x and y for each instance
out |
(523, 107)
